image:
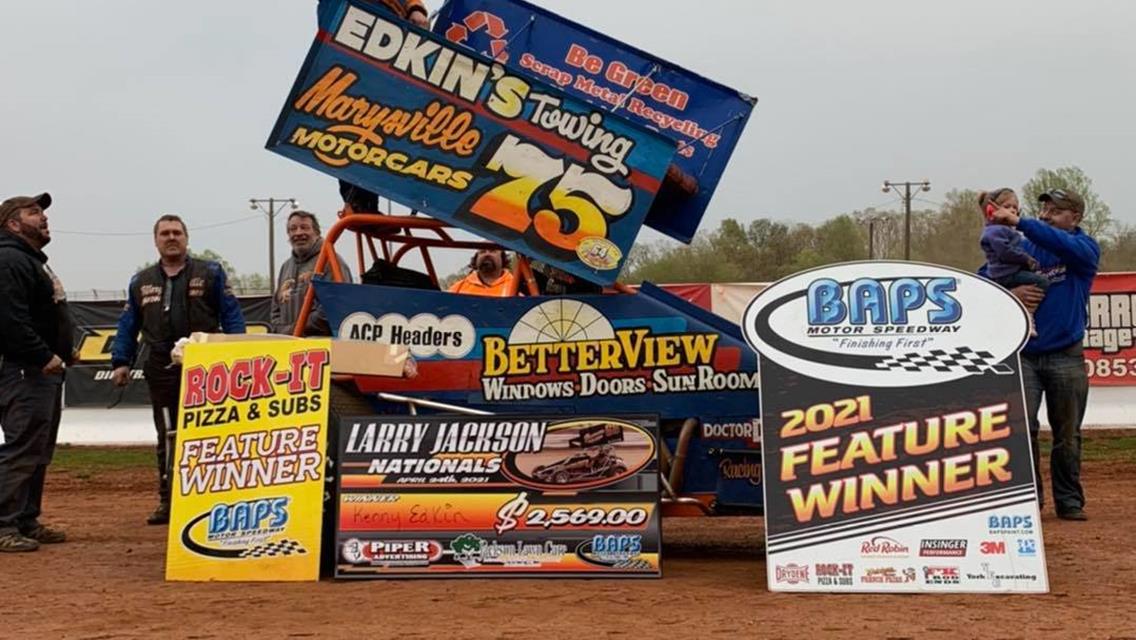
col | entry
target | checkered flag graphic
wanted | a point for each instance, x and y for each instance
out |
(273, 549)
(961, 358)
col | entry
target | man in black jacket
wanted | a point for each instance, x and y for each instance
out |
(36, 339)
(165, 302)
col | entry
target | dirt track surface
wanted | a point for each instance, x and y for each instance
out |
(107, 582)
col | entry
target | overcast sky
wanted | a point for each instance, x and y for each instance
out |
(125, 109)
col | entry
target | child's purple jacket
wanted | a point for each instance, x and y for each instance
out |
(1004, 253)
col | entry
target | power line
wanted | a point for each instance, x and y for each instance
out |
(255, 204)
(934, 202)
(225, 224)
(885, 203)
(830, 215)
(148, 233)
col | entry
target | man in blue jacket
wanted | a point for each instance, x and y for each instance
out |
(1053, 363)
(166, 302)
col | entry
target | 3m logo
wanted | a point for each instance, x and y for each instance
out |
(992, 548)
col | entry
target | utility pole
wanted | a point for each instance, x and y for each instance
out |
(925, 185)
(873, 222)
(255, 204)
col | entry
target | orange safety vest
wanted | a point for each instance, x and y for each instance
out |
(472, 285)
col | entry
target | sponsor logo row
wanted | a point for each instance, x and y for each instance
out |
(470, 550)
(998, 526)
(1009, 535)
(887, 547)
(837, 574)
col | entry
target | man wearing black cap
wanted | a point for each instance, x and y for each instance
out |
(35, 341)
(1053, 363)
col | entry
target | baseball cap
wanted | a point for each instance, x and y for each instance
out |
(1063, 199)
(9, 207)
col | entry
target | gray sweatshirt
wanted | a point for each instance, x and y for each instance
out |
(292, 284)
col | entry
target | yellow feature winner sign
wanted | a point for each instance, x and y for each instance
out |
(248, 477)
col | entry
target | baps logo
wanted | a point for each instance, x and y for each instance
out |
(887, 324)
(247, 517)
(613, 550)
(872, 302)
(244, 529)
(617, 546)
(1016, 524)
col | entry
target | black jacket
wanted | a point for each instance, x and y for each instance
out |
(206, 303)
(35, 322)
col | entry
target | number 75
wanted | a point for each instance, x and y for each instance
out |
(586, 195)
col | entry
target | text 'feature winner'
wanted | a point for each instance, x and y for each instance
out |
(250, 460)
(896, 437)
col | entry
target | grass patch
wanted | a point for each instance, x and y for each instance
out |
(1100, 446)
(85, 461)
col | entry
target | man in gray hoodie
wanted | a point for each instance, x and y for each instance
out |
(296, 272)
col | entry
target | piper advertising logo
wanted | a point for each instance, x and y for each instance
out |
(910, 324)
(392, 553)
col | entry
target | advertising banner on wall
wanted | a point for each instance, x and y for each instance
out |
(516, 496)
(704, 117)
(1110, 334)
(441, 129)
(96, 323)
(650, 350)
(896, 450)
(249, 465)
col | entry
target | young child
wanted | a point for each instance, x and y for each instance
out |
(1006, 262)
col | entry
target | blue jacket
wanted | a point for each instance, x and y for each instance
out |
(210, 304)
(1070, 261)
